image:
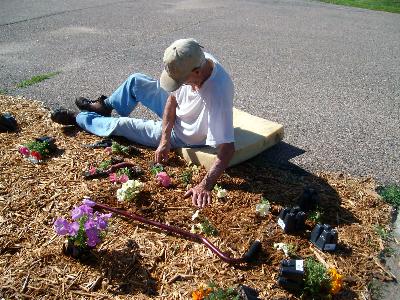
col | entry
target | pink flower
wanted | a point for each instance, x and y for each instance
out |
(123, 178)
(163, 179)
(92, 170)
(36, 155)
(24, 150)
(108, 150)
(113, 177)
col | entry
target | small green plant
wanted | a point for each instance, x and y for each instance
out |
(317, 280)
(387, 251)
(315, 216)
(36, 79)
(125, 150)
(105, 164)
(125, 171)
(221, 193)
(383, 233)
(391, 194)
(208, 229)
(218, 293)
(3, 91)
(263, 207)
(41, 147)
(156, 168)
(186, 176)
(204, 226)
(375, 289)
(292, 249)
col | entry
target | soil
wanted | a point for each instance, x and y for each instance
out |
(141, 262)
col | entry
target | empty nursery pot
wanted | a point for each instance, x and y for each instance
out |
(308, 200)
(324, 237)
(292, 219)
(291, 274)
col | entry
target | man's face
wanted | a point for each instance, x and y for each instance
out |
(193, 79)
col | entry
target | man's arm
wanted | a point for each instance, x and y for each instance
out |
(161, 154)
(201, 193)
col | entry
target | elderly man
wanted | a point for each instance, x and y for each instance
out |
(194, 98)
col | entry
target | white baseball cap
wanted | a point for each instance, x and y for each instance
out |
(180, 59)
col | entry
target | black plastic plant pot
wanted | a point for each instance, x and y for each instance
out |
(291, 274)
(308, 200)
(8, 122)
(69, 249)
(247, 293)
(292, 219)
(324, 237)
(292, 269)
(290, 285)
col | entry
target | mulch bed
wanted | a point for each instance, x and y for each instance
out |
(137, 261)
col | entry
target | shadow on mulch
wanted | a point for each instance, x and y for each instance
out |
(281, 182)
(124, 271)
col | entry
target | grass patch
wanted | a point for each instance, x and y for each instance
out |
(382, 5)
(36, 79)
(375, 289)
(383, 233)
(391, 194)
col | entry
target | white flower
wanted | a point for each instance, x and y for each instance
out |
(196, 215)
(129, 190)
(121, 195)
(221, 193)
(263, 208)
(282, 246)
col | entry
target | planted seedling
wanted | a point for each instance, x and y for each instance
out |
(204, 226)
(186, 176)
(214, 292)
(263, 207)
(317, 281)
(117, 148)
(39, 149)
(156, 168)
(316, 216)
(221, 193)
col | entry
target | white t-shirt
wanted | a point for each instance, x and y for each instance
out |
(205, 117)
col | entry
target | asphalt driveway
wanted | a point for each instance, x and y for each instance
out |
(330, 74)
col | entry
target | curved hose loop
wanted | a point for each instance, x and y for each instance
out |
(248, 257)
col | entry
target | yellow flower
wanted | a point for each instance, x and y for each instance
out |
(336, 281)
(201, 293)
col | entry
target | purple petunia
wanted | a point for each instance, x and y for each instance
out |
(86, 209)
(62, 226)
(77, 213)
(92, 233)
(86, 222)
(74, 228)
(87, 201)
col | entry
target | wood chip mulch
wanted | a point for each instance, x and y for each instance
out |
(138, 262)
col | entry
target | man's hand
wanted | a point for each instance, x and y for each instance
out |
(200, 195)
(169, 114)
(161, 154)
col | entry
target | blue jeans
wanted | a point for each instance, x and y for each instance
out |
(137, 88)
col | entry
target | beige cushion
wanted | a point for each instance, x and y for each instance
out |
(252, 136)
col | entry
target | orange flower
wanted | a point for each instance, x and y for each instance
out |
(336, 281)
(201, 293)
